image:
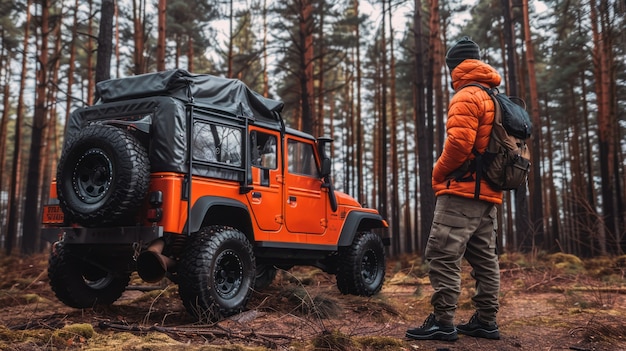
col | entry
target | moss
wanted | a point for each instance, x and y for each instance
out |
(512, 260)
(84, 330)
(230, 348)
(128, 341)
(33, 298)
(568, 263)
(378, 343)
(334, 340)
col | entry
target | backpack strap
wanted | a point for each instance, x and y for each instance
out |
(478, 159)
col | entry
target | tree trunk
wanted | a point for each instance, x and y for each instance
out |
(601, 63)
(71, 65)
(266, 87)
(395, 192)
(306, 65)
(160, 51)
(426, 195)
(117, 40)
(522, 228)
(408, 228)
(436, 64)
(535, 176)
(190, 53)
(105, 41)
(230, 55)
(16, 172)
(138, 36)
(5, 61)
(383, 199)
(32, 216)
(359, 124)
(318, 124)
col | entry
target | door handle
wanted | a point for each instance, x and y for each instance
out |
(256, 195)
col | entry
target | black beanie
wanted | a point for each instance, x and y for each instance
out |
(463, 49)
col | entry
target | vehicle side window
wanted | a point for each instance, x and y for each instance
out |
(263, 150)
(301, 159)
(216, 143)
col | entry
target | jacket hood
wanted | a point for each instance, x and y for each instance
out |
(474, 71)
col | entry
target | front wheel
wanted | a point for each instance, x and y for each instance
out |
(216, 273)
(79, 283)
(361, 268)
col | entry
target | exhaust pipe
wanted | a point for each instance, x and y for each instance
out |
(152, 264)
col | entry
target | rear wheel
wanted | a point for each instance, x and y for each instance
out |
(361, 268)
(80, 283)
(216, 273)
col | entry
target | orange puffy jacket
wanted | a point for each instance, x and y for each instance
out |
(470, 115)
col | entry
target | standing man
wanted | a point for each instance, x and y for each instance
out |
(464, 223)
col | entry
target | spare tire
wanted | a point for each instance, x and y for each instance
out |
(102, 176)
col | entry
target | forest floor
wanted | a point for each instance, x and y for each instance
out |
(552, 303)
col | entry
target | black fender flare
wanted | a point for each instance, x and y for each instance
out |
(226, 211)
(357, 221)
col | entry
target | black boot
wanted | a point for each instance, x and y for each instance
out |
(475, 327)
(433, 330)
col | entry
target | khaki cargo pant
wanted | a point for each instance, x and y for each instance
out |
(463, 228)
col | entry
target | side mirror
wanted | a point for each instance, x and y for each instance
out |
(325, 167)
(321, 149)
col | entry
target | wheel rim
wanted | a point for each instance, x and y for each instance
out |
(228, 274)
(369, 267)
(93, 176)
(97, 281)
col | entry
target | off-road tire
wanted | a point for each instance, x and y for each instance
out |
(102, 176)
(80, 284)
(265, 274)
(361, 268)
(216, 273)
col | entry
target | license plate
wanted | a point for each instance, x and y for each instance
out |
(52, 214)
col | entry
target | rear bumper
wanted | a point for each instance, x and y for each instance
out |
(115, 235)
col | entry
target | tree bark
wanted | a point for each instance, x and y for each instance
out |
(359, 124)
(536, 219)
(601, 68)
(160, 52)
(32, 217)
(5, 61)
(71, 66)
(91, 84)
(139, 64)
(16, 172)
(306, 65)
(425, 169)
(383, 199)
(105, 41)
(395, 192)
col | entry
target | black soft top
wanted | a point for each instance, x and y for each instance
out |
(159, 103)
(227, 94)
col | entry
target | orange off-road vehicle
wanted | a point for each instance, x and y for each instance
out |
(197, 178)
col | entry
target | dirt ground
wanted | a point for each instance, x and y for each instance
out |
(557, 304)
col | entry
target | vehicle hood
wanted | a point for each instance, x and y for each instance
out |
(344, 199)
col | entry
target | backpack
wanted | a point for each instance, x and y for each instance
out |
(505, 164)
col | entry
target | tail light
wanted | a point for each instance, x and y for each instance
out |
(155, 212)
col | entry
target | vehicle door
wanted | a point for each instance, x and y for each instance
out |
(305, 202)
(266, 196)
